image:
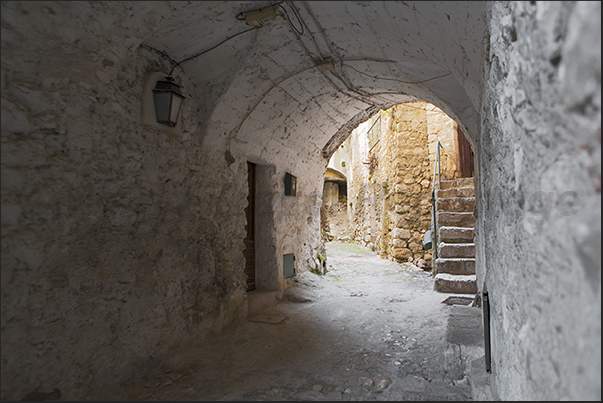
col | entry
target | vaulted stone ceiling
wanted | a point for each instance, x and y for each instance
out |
(271, 87)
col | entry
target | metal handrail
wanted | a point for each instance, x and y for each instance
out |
(437, 165)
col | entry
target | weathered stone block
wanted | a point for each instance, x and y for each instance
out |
(455, 192)
(415, 247)
(400, 188)
(399, 221)
(460, 284)
(455, 219)
(399, 243)
(401, 253)
(460, 204)
(455, 234)
(466, 250)
(457, 183)
(455, 266)
(400, 208)
(401, 233)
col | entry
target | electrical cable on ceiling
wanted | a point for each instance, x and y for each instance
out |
(304, 29)
(342, 77)
(349, 86)
(395, 79)
(321, 29)
(241, 17)
(142, 45)
(179, 64)
(307, 51)
(300, 32)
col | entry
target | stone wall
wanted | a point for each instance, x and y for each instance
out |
(334, 210)
(443, 129)
(117, 246)
(122, 240)
(539, 211)
(390, 159)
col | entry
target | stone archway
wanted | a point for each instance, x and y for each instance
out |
(334, 210)
(113, 229)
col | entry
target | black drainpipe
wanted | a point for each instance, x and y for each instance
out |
(486, 315)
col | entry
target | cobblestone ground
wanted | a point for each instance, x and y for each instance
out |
(369, 329)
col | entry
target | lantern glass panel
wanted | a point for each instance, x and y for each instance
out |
(163, 103)
(176, 104)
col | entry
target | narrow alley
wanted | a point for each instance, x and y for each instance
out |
(173, 173)
(369, 329)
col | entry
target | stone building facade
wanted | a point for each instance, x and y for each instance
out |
(389, 162)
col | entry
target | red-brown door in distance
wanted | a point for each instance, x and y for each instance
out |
(465, 157)
(249, 251)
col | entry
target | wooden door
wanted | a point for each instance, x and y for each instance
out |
(465, 155)
(249, 251)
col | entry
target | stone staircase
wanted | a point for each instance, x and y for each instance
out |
(455, 265)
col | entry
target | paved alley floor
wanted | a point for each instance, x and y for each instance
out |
(369, 329)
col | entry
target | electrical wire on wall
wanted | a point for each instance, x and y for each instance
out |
(323, 66)
(394, 79)
(179, 64)
(332, 63)
(334, 54)
(255, 18)
(321, 29)
(342, 76)
(299, 31)
(361, 95)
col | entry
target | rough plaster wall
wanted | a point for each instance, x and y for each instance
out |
(267, 259)
(540, 199)
(116, 244)
(281, 110)
(161, 216)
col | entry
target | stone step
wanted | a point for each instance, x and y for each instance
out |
(455, 284)
(455, 266)
(456, 250)
(455, 234)
(260, 300)
(455, 192)
(457, 183)
(455, 219)
(458, 204)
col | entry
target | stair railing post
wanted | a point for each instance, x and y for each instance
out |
(436, 168)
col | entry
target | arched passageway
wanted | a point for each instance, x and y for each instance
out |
(122, 238)
(368, 329)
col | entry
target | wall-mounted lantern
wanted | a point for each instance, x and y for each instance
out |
(168, 101)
